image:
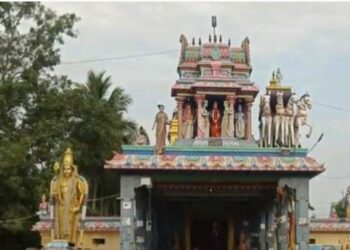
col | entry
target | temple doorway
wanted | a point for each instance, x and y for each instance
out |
(194, 220)
(209, 235)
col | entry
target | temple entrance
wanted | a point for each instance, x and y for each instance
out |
(209, 234)
(194, 220)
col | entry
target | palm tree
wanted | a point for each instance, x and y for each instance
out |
(105, 128)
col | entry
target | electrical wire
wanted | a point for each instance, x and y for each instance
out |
(332, 107)
(115, 58)
(18, 218)
(335, 177)
(104, 198)
(32, 216)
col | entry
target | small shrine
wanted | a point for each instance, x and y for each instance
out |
(216, 186)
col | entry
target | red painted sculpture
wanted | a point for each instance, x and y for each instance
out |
(215, 126)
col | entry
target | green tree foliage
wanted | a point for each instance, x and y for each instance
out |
(41, 114)
(30, 35)
(340, 207)
(102, 129)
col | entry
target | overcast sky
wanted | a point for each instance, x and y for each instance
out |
(310, 42)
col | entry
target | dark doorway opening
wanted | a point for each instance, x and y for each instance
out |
(209, 234)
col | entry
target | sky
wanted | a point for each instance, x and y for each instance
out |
(310, 42)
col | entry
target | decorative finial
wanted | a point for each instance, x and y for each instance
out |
(213, 24)
(200, 41)
(68, 157)
(193, 41)
(273, 81)
(229, 42)
(213, 21)
(279, 76)
(220, 39)
(210, 38)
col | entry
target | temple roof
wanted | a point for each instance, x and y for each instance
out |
(214, 66)
(329, 225)
(213, 51)
(222, 159)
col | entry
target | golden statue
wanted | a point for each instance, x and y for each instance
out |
(68, 193)
(174, 128)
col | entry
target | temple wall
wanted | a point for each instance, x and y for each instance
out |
(111, 240)
(327, 238)
(331, 238)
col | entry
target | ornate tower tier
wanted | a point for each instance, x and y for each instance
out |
(214, 89)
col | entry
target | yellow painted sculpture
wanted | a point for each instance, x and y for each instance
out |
(174, 129)
(68, 193)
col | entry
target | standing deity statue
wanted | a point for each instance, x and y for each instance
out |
(279, 76)
(227, 121)
(173, 133)
(265, 121)
(289, 121)
(187, 123)
(215, 126)
(240, 123)
(303, 105)
(279, 119)
(68, 193)
(203, 121)
(160, 122)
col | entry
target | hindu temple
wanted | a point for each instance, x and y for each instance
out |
(208, 183)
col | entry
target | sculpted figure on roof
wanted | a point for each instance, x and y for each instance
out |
(187, 123)
(240, 123)
(227, 121)
(160, 123)
(215, 121)
(203, 120)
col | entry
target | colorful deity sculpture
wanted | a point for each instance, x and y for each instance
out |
(240, 123)
(174, 128)
(203, 120)
(160, 123)
(265, 120)
(187, 123)
(227, 127)
(303, 106)
(279, 119)
(142, 137)
(289, 121)
(215, 120)
(68, 193)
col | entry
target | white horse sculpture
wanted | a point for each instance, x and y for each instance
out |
(279, 118)
(265, 119)
(303, 105)
(289, 120)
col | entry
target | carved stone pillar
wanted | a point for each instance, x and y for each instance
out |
(180, 101)
(231, 100)
(249, 104)
(199, 100)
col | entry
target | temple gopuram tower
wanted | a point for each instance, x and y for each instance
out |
(216, 186)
